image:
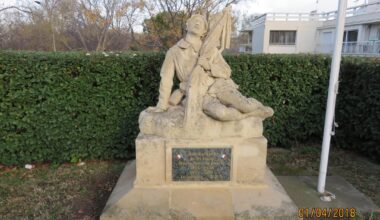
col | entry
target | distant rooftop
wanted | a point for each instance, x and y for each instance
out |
(314, 16)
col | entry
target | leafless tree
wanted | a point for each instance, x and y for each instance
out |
(97, 25)
(176, 13)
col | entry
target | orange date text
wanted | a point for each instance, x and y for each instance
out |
(327, 213)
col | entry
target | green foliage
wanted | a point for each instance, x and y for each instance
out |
(358, 106)
(68, 106)
(59, 107)
(295, 86)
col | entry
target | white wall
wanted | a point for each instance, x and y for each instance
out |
(281, 49)
(258, 39)
(373, 1)
(325, 38)
(374, 31)
(313, 36)
(305, 37)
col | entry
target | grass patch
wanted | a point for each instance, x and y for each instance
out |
(80, 192)
(57, 192)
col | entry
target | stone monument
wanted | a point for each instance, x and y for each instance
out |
(200, 153)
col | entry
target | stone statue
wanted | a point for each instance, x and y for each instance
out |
(206, 90)
(201, 153)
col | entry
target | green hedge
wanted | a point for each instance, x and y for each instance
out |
(295, 86)
(59, 107)
(358, 106)
(68, 106)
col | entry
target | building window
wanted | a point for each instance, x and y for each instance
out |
(350, 36)
(282, 37)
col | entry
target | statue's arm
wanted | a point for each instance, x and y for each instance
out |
(219, 67)
(166, 84)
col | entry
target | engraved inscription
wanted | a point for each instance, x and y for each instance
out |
(201, 164)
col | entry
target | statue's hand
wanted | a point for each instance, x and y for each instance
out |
(154, 109)
(204, 63)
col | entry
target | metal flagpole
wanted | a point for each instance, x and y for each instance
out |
(332, 92)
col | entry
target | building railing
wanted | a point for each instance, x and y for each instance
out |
(369, 48)
(245, 48)
(352, 11)
(363, 47)
(292, 16)
(258, 20)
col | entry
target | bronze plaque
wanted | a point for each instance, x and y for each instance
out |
(201, 164)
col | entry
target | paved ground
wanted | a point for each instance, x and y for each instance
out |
(348, 202)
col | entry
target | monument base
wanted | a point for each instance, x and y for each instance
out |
(260, 201)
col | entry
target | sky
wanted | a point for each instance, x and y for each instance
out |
(249, 7)
(264, 6)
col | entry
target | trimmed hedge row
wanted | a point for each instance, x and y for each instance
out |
(68, 106)
(358, 106)
(295, 86)
(59, 107)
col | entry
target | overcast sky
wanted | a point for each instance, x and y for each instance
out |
(264, 6)
(249, 7)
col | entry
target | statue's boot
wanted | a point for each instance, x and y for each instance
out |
(233, 98)
(216, 110)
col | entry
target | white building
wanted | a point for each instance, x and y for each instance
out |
(314, 32)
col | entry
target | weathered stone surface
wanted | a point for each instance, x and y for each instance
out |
(251, 193)
(208, 202)
(203, 203)
(250, 160)
(201, 164)
(150, 161)
(169, 124)
(269, 202)
(154, 158)
(207, 103)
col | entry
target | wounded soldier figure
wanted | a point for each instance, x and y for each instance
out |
(222, 100)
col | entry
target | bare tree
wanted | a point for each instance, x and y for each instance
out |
(49, 10)
(173, 16)
(71, 24)
(25, 10)
(98, 25)
(100, 18)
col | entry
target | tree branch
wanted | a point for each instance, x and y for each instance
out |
(17, 8)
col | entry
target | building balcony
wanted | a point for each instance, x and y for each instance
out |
(360, 48)
(245, 48)
(328, 17)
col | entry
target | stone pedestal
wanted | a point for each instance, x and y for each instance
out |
(234, 182)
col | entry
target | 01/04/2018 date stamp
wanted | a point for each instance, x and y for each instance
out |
(327, 213)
